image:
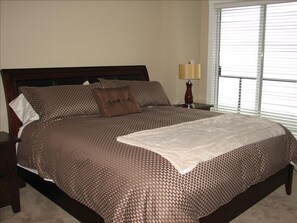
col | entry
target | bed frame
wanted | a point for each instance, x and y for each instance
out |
(14, 78)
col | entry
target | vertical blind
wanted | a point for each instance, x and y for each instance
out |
(255, 61)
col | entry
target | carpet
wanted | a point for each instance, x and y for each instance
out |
(35, 208)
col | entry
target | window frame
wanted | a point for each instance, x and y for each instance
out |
(213, 4)
(212, 80)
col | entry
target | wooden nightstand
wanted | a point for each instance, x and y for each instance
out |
(9, 181)
(196, 106)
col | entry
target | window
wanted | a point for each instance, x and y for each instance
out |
(255, 61)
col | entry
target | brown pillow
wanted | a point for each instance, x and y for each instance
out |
(57, 102)
(115, 101)
(147, 93)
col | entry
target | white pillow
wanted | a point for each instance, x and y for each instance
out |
(86, 83)
(23, 110)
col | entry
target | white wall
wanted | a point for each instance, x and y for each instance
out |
(159, 34)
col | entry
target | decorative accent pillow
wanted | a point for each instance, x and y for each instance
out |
(116, 101)
(147, 93)
(56, 102)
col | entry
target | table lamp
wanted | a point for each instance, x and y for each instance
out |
(189, 72)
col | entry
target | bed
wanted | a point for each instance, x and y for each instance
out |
(232, 202)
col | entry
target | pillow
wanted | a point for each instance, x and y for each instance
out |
(116, 101)
(147, 93)
(23, 110)
(56, 102)
(86, 83)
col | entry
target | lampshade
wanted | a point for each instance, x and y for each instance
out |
(189, 71)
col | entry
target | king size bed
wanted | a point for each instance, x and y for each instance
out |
(73, 152)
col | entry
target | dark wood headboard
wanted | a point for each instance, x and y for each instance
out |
(14, 78)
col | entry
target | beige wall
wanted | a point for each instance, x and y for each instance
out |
(159, 34)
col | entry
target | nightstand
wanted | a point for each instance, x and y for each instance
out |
(9, 181)
(196, 106)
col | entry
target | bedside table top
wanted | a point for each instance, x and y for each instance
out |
(195, 105)
(201, 105)
(6, 138)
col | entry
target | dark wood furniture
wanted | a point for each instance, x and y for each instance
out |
(196, 106)
(13, 78)
(9, 181)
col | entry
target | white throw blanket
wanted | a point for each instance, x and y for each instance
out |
(189, 143)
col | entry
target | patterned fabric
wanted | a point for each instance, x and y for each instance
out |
(129, 184)
(115, 101)
(63, 101)
(147, 93)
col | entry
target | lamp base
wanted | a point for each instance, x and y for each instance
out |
(189, 95)
(189, 106)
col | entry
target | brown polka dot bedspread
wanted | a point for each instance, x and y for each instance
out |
(130, 184)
